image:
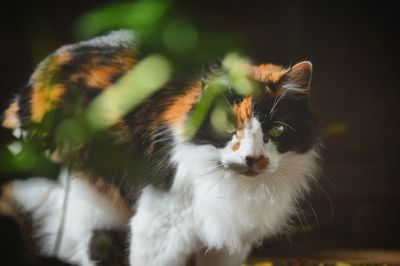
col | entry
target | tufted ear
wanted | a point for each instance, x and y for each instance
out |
(298, 77)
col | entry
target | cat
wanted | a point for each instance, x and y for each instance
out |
(225, 194)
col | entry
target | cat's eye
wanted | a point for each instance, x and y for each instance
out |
(276, 131)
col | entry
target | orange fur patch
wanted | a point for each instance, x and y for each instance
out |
(62, 57)
(243, 111)
(261, 161)
(45, 94)
(7, 201)
(100, 77)
(11, 119)
(267, 73)
(44, 99)
(236, 146)
(51, 65)
(176, 113)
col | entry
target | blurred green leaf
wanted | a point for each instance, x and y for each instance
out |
(139, 15)
(109, 107)
(149, 75)
(200, 111)
(222, 118)
(234, 76)
(23, 159)
(180, 37)
(237, 69)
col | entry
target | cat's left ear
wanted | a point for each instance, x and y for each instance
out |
(298, 78)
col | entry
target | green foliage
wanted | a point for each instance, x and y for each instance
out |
(21, 159)
(159, 28)
(180, 37)
(115, 102)
(141, 15)
(170, 45)
(233, 77)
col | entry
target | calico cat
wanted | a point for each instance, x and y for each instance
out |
(226, 194)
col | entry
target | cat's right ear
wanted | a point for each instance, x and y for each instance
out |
(298, 77)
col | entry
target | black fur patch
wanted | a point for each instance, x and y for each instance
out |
(24, 103)
(292, 110)
(109, 247)
(87, 56)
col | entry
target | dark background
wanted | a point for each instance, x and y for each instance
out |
(354, 49)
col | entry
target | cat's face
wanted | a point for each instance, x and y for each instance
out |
(270, 125)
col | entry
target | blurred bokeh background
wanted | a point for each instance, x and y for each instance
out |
(354, 46)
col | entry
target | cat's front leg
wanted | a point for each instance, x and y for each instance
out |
(222, 257)
(161, 230)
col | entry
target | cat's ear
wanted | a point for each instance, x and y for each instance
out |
(298, 77)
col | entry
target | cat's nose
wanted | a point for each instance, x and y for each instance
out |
(249, 161)
(261, 162)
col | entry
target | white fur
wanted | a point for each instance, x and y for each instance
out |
(118, 38)
(210, 210)
(217, 208)
(86, 210)
(162, 231)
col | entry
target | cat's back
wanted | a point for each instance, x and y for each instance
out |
(81, 70)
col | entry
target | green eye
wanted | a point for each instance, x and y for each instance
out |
(276, 131)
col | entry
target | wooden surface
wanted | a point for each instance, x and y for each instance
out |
(358, 256)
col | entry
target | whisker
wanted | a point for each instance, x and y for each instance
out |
(218, 181)
(284, 166)
(226, 100)
(276, 102)
(312, 208)
(273, 113)
(331, 204)
(322, 177)
(213, 170)
(273, 104)
(298, 209)
(292, 166)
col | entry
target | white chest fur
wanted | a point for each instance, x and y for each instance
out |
(231, 210)
(211, 207)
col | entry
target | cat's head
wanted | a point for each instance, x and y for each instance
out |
(274, 122)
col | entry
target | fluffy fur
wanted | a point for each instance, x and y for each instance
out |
(86, 211)
(218, 210)
(226, 195)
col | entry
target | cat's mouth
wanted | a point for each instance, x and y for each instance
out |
(244, 170)
(250, 173)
